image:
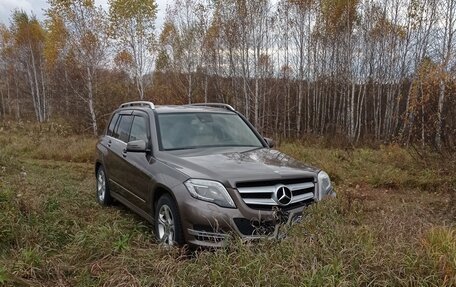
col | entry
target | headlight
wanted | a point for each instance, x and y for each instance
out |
(324, 184)
(211, 191)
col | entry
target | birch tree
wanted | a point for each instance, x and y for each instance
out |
(29, 39)
(86, 44)
(132, 24)
(447, 53)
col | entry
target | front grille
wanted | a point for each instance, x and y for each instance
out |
(274, 182)
(260, 195)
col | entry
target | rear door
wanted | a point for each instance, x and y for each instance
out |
(106, 143)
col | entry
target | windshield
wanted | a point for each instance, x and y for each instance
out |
(197, 130)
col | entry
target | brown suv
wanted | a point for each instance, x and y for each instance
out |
(201, 173)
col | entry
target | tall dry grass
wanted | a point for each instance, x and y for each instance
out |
(392, 224)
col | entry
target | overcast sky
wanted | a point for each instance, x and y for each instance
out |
(37, 8)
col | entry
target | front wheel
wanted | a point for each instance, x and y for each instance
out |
(168, 230)
(103, 194)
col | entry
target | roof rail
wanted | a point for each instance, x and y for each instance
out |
(138, 103)
(215, 105)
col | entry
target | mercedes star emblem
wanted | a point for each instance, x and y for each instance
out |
(283, 195)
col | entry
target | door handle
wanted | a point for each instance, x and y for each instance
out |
(124, 152)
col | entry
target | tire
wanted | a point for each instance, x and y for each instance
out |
(168, 227)
(102, 191)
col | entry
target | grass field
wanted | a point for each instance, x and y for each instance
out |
(392, 224)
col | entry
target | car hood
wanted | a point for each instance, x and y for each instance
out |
(237, 165)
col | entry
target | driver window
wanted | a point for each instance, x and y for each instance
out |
(139, 129)
(123, 128)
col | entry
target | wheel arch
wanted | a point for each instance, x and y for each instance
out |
(159, 191)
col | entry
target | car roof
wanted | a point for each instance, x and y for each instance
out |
(186, 109)
(166, 109)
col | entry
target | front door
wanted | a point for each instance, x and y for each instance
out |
(115, 160)
(136, 178)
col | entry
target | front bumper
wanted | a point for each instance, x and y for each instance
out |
(219, 237)
(209, 225)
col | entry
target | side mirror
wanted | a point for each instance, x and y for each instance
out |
(270, 142)
(137, 146)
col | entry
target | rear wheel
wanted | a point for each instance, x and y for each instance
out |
(168, 229)
(103, 195)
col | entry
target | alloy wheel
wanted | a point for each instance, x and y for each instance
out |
(166, 230)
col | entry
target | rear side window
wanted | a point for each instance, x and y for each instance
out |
(139, 129)
(112, 124)
(122, 132)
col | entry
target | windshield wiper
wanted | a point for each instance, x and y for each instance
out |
(180, 148)
(211, 146)
(256, 148)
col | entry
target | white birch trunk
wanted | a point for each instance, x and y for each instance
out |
(90, 101)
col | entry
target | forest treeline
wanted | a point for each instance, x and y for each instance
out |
(380, 70)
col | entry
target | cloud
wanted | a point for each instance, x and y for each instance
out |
(37, 7)
(30, 6)
(12, 4)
